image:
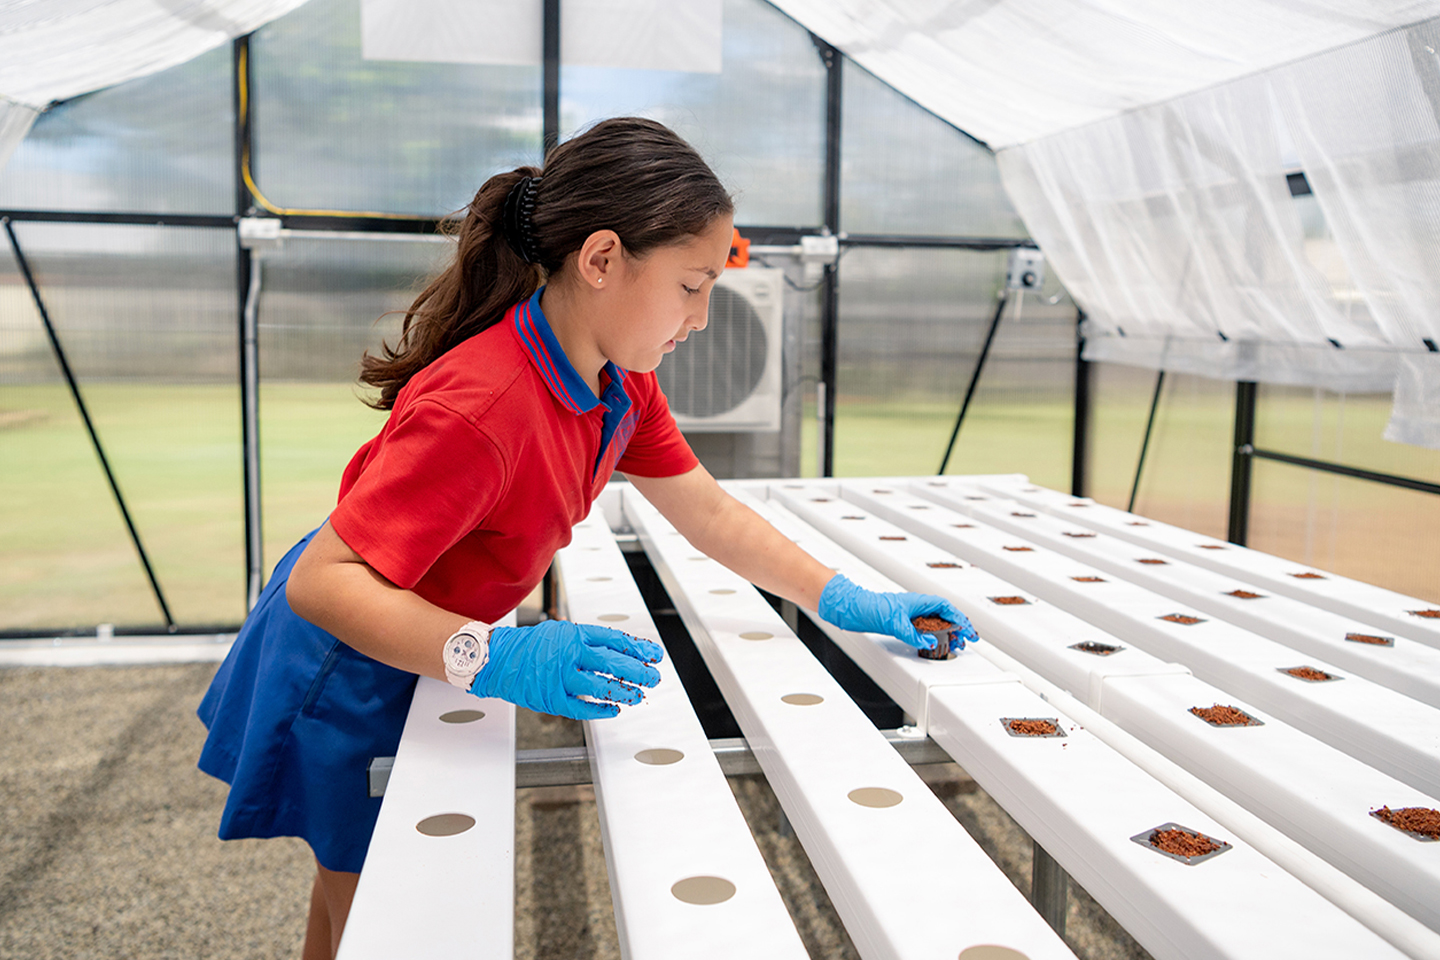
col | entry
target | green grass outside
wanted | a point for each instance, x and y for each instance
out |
(66, 561)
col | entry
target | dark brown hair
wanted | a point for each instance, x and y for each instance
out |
(633, 176)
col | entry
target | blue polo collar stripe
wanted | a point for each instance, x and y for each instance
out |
(555, 369)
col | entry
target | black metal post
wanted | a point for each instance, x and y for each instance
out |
(1242, 462)
(830, 287)
(247, 292)
(550, 45)
(1080, 445)
(974, 380)
(75, 394)
(1145, 444)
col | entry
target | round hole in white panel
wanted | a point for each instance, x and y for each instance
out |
(613, 617)
(462, 716)
(703, 890)
(598, 579)
(756, 635)
(989, 951)
(722, 592)
(699, 558)
(445, 824)
(659, 756)
(874, 797)
(803, 699)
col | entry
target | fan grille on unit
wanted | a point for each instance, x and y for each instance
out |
(716, 370)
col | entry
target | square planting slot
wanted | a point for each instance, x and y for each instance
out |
(1220, 715)
(1309, 674)
(1019, 549)
(1245, 594)
(1182, 618)
(1427, 614)
(1422, 823)
(1209, 546)
(852, 517)
(881, 491)
(1098, 649)
(1009, 601)
(894, 538)
(1078, 536)
(1371, 639)
(1077, 504)
(1307, 575)
(963, 526)
(1153, 561)
(1088, 579)
(944, 565)
(1181, 843)
(918, 506)
(1032, 726)
(1136, 523)
(1020, 513)
(819, 499)
(977, 498)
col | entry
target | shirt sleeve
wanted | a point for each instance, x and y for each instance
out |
(657, 448)
(431, 478)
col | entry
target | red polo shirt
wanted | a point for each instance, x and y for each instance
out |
(491, 454)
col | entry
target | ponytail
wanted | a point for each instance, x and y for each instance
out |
(633, 176)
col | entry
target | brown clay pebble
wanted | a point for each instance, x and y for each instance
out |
(852, 517)
(1370, 639)
(1032, 728)
(1308, 673)
(1421, 820)
(944, 566)
(1182, 618)
(1210, 546)
(1307, 576)
(1088, 579)
(1018, 549)
(892, 538)
(1223, 716)
(1244, 595)
(1182, 843)
(964, 526)
(942, 629)
(1427, 614)
(1152, 560)
(1007, 601)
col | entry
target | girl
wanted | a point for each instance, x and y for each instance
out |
(511, 404)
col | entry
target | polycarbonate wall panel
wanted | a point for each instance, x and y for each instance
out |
(1187, 470)
(912, 324)
(324, 302)
(162, 144)
(335, 132)
(904, 170)
(760, 122)
(147, 316)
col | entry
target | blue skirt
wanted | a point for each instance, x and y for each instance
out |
(295, 716)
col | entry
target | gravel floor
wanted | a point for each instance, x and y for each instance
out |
(108, 848)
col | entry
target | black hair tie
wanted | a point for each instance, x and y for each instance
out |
(519, 208)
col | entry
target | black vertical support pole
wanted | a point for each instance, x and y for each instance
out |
(1242, 462)
(974, 380)
(75, 394)
(550, 56)
(248, 366)
(1080, 446)
(1145, 444)
(830, 288)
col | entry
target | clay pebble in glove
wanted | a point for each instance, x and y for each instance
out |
(550, 666)
(852, 607)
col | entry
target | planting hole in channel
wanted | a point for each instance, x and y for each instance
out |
(613, 617)
(1182, 618)
(756, 635)
(1427, 614)
(803, 699)
(1181, 843)
(1245, 594)
(462, 716)
(1032, 726)
(1098, 649)
(445, 824)
(703, 891)
(875, 797)
(1088, 579)
(1370, 639)
(1308, 674)
(1222, 715)
(659, 756)
(1078, 535)
(991, 951)
(894, 538)
(1008, 601)
(1422, 823)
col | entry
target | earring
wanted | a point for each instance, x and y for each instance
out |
(599, 280)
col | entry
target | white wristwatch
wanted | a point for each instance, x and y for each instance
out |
(466, 652)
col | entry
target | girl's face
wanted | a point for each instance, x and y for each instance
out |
(660, 299)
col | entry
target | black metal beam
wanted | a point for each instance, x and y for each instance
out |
(550, 51)
(974, 379)
(1080, 442)
(75, 394)
(1145, 444)
(141, 219)
(248, 369)
(942, 242)
(1390, 479)
(1241, 463)
(830, 284)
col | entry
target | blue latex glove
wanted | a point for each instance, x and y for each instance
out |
(851, 607)
(549, 666)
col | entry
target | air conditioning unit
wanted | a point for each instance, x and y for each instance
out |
(727, 378)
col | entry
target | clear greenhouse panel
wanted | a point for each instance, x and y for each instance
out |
(336, 132)
(160, 144)
(760, 122)
(146, 316)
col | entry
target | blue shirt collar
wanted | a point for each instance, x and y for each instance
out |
(555, 368)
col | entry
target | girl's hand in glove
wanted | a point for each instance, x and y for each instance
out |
(851, 607)
(549, 666)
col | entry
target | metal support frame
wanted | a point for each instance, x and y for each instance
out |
(79, 399)
(1241, 463)
(550, 46)
(1049, 888)
(830, 285)
(974, 380)
(1145, 444)
(247, 289)
(1390, 479)
(1080, 444)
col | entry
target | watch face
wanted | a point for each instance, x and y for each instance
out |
(462, 654)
